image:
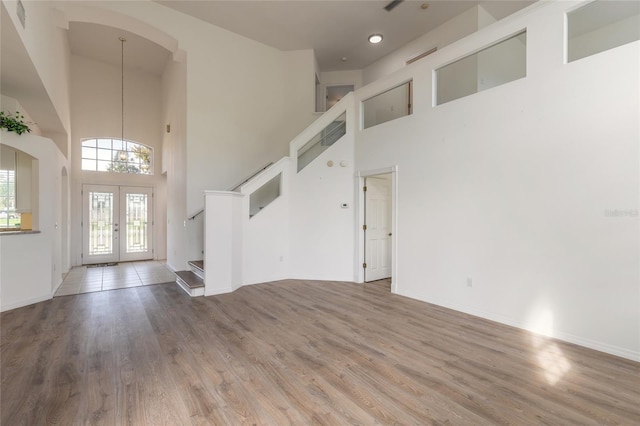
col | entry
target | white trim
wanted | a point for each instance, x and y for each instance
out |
(375, 172)
(26, 302)
(224, 193)
(553, 334)
(359, 246)
(218, 291)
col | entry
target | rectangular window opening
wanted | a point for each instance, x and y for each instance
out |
(265, 195)
(600, 26)
(389, 105)
(493, 66)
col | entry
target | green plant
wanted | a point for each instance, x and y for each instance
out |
(13, 122)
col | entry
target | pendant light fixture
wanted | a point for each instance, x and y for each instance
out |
(123, 153)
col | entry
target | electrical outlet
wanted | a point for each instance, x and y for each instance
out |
(469, 282)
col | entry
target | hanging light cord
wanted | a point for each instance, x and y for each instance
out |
(122, 40)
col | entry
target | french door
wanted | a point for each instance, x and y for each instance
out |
(116, 223)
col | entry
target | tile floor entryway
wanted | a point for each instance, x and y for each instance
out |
(85, 279)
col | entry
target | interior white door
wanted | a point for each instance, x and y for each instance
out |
(116, 223)
(378, 228)
(100, 223)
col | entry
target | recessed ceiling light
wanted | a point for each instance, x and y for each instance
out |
(343, 59)
(424, 6)
(375, 38)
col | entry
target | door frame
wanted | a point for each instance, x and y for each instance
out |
(84, 233)
(360, 221)
(119, 218)
(128, 257)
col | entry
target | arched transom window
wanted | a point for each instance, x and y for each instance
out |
(116, 155)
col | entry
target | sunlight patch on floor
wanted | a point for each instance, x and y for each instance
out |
(549, 356)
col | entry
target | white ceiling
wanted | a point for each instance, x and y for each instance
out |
(102, 43)
(333, 28)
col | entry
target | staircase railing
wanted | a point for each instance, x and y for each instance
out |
(256, 173)
(322, 133)
(322, 140)
(198, 213)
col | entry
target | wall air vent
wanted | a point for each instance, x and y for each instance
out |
(22, 16)
(392, 5)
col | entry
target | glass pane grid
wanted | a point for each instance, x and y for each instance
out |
(100, 223)
(136, 223)
(9, 218)
(115, 155)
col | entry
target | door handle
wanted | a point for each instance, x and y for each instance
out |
(389, 233)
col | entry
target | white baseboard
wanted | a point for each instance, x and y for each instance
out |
(22, 303)
(217, 291)
(554, 333)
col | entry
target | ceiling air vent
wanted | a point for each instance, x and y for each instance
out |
(392, 5)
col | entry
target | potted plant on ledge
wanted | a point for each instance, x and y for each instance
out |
(13, 122)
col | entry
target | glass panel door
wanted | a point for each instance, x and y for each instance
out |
(116, 224)
(100, 224)
(136, 222)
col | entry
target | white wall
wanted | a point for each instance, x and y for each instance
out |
(47, 46)
(96, 112)
(12, 105)
(298, 76)
(174, 104)
(453, 30)
(321, 231)
(514, 187)
(305, 233)
(445, 34)
(223, 242)
(20, 282)
(336, 78)
(237, 117)
(244, 100)
(265, 236)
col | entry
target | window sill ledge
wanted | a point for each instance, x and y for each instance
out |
(18, 232)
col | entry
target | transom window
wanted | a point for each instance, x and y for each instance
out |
(116, 155)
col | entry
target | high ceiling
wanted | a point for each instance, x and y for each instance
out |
(102, 43)
(335, 29)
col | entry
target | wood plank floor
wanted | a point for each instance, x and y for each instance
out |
(294, 352)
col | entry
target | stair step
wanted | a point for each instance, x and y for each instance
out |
(190, 279)
(192, 284)
(198, 264)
